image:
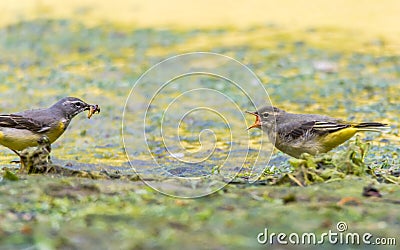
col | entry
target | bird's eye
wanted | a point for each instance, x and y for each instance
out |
(78, 104)
(265, 115)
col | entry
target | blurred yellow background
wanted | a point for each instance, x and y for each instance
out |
(377, 18)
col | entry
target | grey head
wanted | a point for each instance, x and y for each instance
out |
(266, 117)
(70, 106)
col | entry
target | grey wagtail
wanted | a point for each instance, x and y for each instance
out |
(25, 129)
(295, 134)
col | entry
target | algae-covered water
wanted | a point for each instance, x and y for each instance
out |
(161, 130)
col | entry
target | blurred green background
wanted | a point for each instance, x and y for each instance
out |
(331, 57)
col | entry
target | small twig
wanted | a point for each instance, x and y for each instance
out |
(295, 180)
(389, 180)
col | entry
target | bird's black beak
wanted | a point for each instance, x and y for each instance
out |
(87, 107)
(257, 123)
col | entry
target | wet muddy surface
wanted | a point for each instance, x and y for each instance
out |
(106, 204)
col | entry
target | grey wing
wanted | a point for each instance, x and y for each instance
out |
(296, 129)
(21, 122)
(304, 129)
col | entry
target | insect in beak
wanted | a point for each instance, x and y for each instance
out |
(93, 109)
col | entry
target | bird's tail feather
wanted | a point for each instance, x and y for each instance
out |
(371, 126)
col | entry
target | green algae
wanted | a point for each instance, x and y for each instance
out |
(330, 167)
(76, 212)
(100, 201)
(84, 208)
(8, 175)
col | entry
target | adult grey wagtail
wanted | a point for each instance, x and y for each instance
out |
(25, 129)
(295, 134)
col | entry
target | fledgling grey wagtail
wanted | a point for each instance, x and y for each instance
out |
(295, 134)
(24, 129)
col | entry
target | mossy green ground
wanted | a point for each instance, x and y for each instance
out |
(43, 60)
(80, 213)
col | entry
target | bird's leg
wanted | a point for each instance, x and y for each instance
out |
(21, 161)
(15, 151)
(19, 155)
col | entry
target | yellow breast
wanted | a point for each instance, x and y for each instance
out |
(56, 132)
